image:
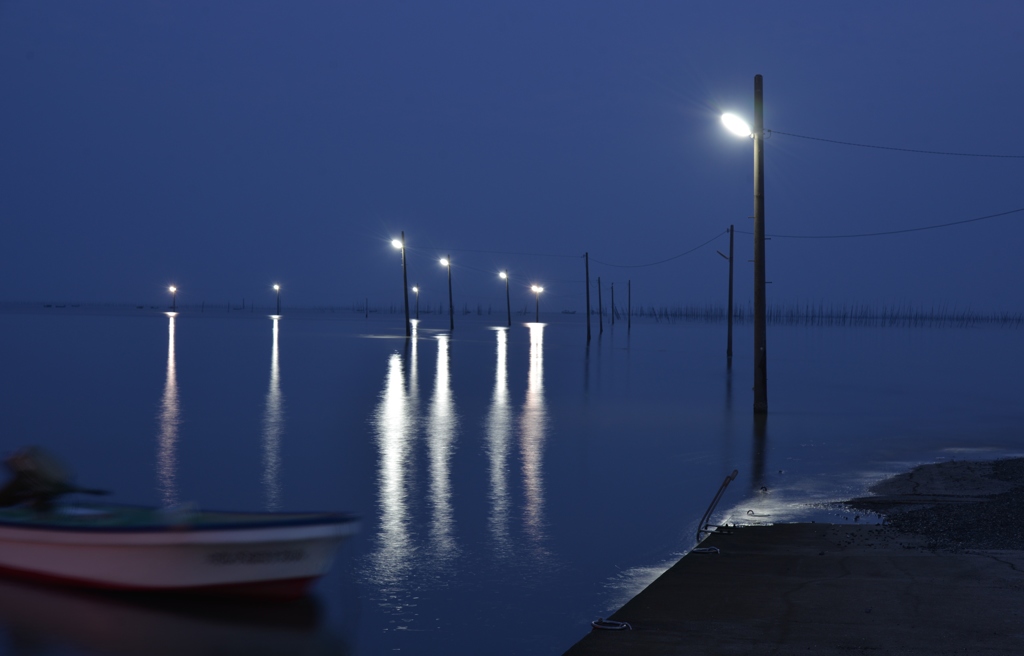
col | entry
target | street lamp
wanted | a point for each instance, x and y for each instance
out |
(277, 288)
(508, 304)
(174, 298)
(736, 125)
(537, 289)
(447, 262)
(400, 244)
(416, 290)
(739, 127)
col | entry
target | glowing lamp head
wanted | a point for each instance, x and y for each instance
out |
(172, 289)
(537, 289)
(503, 275)
(415, 290)
(736, 125)
(444, 261)
(277, 288)
(397, 243)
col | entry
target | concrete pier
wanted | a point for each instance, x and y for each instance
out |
(842, 588)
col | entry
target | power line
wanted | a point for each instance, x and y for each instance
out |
(674, 257)
(905, 150)
(892, 232)
(469, 250)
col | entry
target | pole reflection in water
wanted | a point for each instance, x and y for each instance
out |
(498, 428)
(170, 417)
(414, 383)
(441, 432)
(727, 424)
(533, 425)
(394, 423)
(760, 451)
(273, 425)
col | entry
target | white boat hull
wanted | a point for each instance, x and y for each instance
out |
(280, 559)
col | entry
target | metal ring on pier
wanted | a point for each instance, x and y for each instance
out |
(610, 625)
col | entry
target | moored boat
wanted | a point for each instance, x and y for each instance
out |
(102, 545)
(136, 548)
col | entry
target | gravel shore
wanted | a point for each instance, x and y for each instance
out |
(955, 505)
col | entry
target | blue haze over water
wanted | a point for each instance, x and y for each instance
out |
(514, 483)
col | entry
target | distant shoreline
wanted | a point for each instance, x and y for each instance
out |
(809, 315)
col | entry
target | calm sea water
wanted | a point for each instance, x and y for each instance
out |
(514, 483)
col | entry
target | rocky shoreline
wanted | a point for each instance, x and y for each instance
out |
(954, 506)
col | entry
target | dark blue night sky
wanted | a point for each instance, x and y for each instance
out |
(227, 146)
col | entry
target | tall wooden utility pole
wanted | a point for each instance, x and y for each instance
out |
(760, 319)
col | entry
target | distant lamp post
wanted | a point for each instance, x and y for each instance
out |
(416, 290)
(537, 289)
(400, 245)
(728, 309)
(277, 288)
(739, 127)
(174, 298)
(447, 262)
(508, 303)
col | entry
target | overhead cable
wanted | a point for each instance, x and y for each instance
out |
(469, 250)
(669, 259)
(905, 150)
(891, 232)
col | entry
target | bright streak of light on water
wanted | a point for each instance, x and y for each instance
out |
(273, 426)
(394, 441)
(498, 430)
(533, 425)
(170, 417)
(441, 432)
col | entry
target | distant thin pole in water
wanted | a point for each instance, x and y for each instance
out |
(586, 266)
(728, 349)
(629, 305)
(451, 308)
(508, 301)
(405, 290)
(600, 308)
(613, 303)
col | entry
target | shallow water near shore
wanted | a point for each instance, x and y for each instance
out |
(514, 483)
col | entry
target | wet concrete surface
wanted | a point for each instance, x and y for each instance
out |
(932, 586)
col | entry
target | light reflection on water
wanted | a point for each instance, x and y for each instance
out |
(532, 432)
(394, 423)
(512, 523)
(442, 428)
(402, 560)
(498, 430)
(273, 426)
(170, 417)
